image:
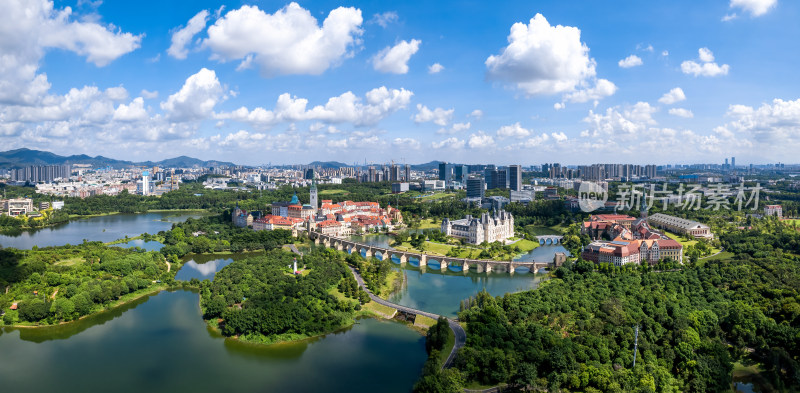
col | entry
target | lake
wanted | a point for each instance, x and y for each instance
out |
(104, 229)
(162, 345)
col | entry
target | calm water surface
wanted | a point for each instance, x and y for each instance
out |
(162, 345)
(203, 267)
(104, 229)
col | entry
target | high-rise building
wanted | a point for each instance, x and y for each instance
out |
(733, 163)
(372, 174)
(309, 175)
(446, 172)
(408, 173)
(475, 188)
(460, 173)
(489, 175)
(515, 177)
(502, 178)
(145, 183)
(725, 167)
(394, 173)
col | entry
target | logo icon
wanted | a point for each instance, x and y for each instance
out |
(591, 196)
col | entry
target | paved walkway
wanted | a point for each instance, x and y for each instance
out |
(458, 332)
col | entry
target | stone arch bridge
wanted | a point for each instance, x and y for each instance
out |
(481, 265)
(549, 239)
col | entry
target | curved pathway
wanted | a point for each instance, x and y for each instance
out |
(458, 331)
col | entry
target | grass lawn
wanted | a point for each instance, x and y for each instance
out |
(526, 245)
(687, 243)
(379, 309)
(386, 288)
(721, 256)
(71, 261)
(542, 231)
(424, 322)
(435, 196)
(333, 192)
(428, 224)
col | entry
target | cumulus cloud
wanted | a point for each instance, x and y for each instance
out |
(435, 68)
(559, 137)
(131, 112)
(603, 88)
(456, 128)
(347, 107)
(183, 36)
(541, 59)
(681, 112)
(480, 140)
(406, 143)
(513, 131)
(477, 114)
(778, 121)
(672, 96)
(617, 121)
(394, 59)
(384, 19)
(290, 41)
(631, 61)
(438, 116)
(706, 67)
(452, 143)
(753, 7)
(196, 98)
(30, 27)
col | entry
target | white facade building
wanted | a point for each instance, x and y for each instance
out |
(488, 228)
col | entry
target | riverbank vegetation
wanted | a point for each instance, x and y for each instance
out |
(60, 284)
(577, 331)
(438, 343)
(258, 300)
(218, 234)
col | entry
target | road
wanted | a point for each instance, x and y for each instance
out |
(458, 332)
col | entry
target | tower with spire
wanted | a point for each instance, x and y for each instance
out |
(313, 196)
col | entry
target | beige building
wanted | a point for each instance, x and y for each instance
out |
(16, 207)
(681, 226)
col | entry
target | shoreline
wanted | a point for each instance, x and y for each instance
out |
(118, 303)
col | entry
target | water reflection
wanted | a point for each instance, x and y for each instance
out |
(205, 266)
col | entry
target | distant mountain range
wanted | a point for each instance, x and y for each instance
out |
(25, 157)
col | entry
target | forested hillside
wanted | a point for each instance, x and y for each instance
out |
(577, 331)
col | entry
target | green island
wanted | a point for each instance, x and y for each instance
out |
(60, 284)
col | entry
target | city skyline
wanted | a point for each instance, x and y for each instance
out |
(502, 83)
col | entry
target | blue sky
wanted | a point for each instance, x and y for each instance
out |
(467, 81)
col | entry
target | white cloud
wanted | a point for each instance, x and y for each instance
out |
(603, 88)
(615, 122)
(438, 116)
(449, 143)
(681, 112)
(536, 141)
(480, 140)
(542, 59)
(149, 94)
(513, 131)
(770, 123)
(406, 143)
(705, 55)
(347, 107)
(631, 61)
(707, 68)
(133, 112)
(456, 128)
(673, 96)
(196, 99)
(394, 59)
(29, 27)
(435, 68)
(477, 114)
(754, 7)
(559, 137)
(729, 17)
(384, 19)
(183, 36)
(290, 41)
(118, 93)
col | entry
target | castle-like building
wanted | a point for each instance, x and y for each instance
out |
(498, 226)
